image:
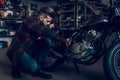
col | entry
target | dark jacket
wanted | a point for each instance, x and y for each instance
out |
(27, 33)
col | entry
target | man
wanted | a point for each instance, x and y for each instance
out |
(31, 44)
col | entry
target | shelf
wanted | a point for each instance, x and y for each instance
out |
(71, 20)
(6, 35)
(72, 14)
(10, 19)
(68, 3)
(4, 27)
(11, 9)
(65, 4)
(67, 29)
(67, 11)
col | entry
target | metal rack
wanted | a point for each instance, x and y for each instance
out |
(78, 7)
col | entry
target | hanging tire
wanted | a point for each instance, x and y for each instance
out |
(111, 62)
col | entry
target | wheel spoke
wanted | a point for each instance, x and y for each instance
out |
(117, 63)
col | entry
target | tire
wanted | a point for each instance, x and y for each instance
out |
(111, 62)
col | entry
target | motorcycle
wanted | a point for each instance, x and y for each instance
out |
(88, 44)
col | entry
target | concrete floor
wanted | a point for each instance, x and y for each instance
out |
(66, 72)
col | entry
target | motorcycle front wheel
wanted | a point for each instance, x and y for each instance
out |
(111, 62)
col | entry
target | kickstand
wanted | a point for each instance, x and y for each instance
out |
(76, 66)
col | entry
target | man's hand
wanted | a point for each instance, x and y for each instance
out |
(51, 26)
(68, 42)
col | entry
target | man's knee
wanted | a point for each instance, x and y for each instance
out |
(27, 63)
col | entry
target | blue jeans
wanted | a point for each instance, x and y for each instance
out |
(36, 54)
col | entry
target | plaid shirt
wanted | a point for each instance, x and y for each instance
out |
(28, 31)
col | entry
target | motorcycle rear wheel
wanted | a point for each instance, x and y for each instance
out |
(111, 62)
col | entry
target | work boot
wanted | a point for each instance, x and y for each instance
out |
(42, 74)
(15, 72)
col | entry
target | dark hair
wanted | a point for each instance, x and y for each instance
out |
(47, 10)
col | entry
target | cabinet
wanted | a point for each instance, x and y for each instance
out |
(75, 13)
(10, 19)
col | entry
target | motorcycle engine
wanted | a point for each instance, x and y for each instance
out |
(86, 47)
